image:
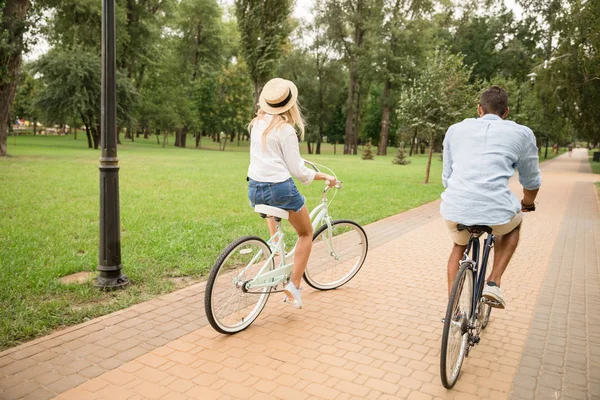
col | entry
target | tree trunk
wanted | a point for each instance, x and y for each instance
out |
(96, 136)
(183, 137)
(87, 130)
(89, 135)
(257, 89)
(350, 111)
(308, 147)
(429, 159)
(385, 120)
(318, 150)
(165, 134)
(12, 27)
(198, 139)
(356, 119)
(412, 142)
(34, 127)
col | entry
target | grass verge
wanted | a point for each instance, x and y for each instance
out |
(179, 209)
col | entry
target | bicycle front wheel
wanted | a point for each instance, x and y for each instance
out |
(455, 337)
(230, 306)
(337, 254)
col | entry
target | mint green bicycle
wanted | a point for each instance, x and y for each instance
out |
(246, 273)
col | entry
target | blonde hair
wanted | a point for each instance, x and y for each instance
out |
(293, 116)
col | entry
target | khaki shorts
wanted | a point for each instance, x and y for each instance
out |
(462, 237)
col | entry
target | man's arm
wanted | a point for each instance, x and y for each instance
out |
(529, 171)
(447, 157)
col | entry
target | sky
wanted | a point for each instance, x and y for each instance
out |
(301, 11)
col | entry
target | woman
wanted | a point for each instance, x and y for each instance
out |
(274, 159)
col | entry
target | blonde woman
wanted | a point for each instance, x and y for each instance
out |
(274, 159)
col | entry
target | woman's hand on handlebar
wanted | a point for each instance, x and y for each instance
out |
(330, 180)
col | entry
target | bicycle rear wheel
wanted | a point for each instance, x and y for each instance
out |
(337, 254)
(484, 314)
(455, 337)
(229, 306)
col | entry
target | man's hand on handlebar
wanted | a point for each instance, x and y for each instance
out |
(527, 207)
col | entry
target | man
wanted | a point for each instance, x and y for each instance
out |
(480, 155)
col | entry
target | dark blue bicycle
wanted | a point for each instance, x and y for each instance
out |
(468, 313)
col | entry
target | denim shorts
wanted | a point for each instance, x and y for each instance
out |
(282, 195)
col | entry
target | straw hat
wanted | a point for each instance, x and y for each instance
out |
(278, 96)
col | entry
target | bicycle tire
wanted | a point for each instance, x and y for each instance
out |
(487, 310)
(231, 262)
(326, 272)
(457, 309)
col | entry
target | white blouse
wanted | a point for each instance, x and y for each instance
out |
(279, 158)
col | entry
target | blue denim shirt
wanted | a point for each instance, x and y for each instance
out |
(480, 156)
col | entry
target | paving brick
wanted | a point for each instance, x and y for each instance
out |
(366, 341)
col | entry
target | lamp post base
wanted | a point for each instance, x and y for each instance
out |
(112, 280)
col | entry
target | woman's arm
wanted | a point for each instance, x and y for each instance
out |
(291, 156)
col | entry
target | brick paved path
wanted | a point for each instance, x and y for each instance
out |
(377, 337)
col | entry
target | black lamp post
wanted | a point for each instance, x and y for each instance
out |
(109, 252)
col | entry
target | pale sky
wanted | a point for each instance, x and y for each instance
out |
(302, 10)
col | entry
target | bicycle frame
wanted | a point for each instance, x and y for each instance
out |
(276, 243)
(478, 269)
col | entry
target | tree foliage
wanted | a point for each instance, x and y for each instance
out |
(264, 27)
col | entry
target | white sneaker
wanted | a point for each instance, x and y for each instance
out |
(494, 293)
(291, 291)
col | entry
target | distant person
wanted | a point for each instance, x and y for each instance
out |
(570, 148)
(274, 159)
(480, 156)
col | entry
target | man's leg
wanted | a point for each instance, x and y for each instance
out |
(504, 248)
(453, 263)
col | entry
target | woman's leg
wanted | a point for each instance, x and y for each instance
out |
(272, 226)
(301, 222)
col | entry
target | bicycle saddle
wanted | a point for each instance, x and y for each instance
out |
(474, 228)
(269, 211)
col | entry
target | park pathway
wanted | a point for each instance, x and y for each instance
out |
(378, 337)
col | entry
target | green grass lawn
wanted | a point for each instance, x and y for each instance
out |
(179, 209)
(551, 155)
(595, 165)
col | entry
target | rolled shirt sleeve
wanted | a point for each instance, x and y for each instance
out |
(447, 158)
(291, 156)
(528, 164)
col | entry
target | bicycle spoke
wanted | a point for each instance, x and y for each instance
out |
(229, 308)
(338, 253)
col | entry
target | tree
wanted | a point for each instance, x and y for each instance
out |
(352, 25)
(400, 54)
(367, 153)
(23, 105)
(70, 88)
(440, 97)
(264, 28)
(496, 45)
(13, 27)
(400, 157)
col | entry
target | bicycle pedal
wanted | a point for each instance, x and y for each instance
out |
(490, 302)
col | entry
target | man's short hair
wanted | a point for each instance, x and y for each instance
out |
(494, 101)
